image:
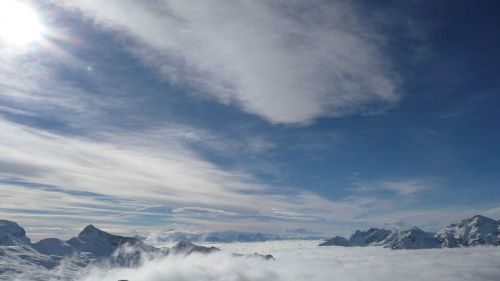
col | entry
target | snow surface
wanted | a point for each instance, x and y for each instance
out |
(299, 261)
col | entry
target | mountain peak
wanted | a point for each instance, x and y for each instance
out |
(12, 234)
(482, 219)
(89, 229)
(477, 230)
(101, 243)
(412, 238)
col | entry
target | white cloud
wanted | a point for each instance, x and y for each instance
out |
(406, 188)
(200, 210)
(304, 260)
(288, 62)
(115, 178)
(402, 187)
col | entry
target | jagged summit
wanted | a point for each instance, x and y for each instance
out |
(98, 242)
(413, 238)
(476, 230)
(372, 236)
(90, 229)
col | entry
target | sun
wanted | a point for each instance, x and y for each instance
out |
(19, 23)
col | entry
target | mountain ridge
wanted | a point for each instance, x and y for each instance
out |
(476, 230)
(91, 246)
(227, 236)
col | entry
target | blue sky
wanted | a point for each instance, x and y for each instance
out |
(318, 117)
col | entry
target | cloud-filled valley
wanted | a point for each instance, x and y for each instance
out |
(303, 260)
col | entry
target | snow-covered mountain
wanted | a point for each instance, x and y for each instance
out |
(336, 241)
(214, 237)
(100, 243)
(413, 238)
(372, 236)
(478, 230)
(92, 246)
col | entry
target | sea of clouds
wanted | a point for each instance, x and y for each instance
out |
(304, 260)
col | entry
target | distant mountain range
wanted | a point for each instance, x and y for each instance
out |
(477, 230)
(91, 246)
(221, 237)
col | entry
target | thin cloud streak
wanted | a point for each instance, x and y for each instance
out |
(134, 176)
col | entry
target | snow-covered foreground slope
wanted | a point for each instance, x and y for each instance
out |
(305, 261)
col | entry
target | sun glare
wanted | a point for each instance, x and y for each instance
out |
(19, 23)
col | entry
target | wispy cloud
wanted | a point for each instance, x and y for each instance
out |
(286, 62)
(201, 210)
(406, 188)
(68, 174)
(402, 187)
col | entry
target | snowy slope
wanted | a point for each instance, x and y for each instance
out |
(478, 230)
(413, 238)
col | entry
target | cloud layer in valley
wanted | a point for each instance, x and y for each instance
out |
(304, 260)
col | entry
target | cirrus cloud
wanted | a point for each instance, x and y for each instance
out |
(287, 62)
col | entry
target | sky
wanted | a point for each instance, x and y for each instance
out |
(286, 117)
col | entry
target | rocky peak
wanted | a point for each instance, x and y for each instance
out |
(413, 238)
(98, 242)
(91, 230)
(11, 234)
(371, 236)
